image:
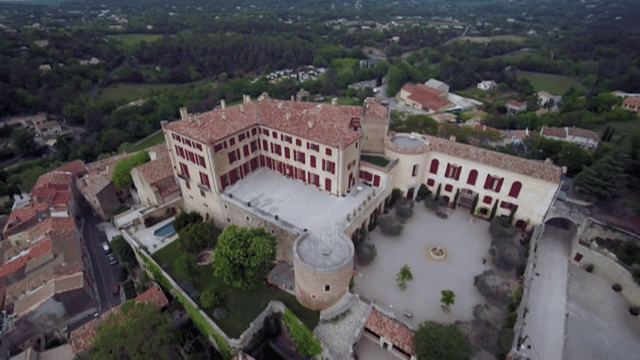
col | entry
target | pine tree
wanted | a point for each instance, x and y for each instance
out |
(605, 179)
(494, 210)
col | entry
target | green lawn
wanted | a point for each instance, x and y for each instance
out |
(153, 140)
(375, 160)
(554, 84)
(242, 306)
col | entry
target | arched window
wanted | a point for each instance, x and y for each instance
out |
(434, 166)
(515, 189)
(473, 176)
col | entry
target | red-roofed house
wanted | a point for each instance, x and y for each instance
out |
(154, 180)
(390, 335)
(97, 189)
(426, 98)
(514, 107)
(632, 104)
(583, 137)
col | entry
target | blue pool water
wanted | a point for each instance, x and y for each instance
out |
(165, 231)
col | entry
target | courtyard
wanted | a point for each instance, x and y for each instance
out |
(466, 244)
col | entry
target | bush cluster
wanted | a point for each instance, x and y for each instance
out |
(307, 345)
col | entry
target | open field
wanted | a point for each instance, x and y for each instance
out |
(554, 84)
(156, 139)
(242, 306)
(486, 39)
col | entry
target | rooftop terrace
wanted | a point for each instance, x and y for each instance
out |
(301, 206)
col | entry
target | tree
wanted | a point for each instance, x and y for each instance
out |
(24, 143)
(448, 298)
(474, 204)
(123, 250)
(185, 218)
(403, 276)
(494, 209)
(243, 256)
(187, 267)
(605, 179)
(442, 342)
(137, 331)
(197, 236)
(122, 171)
(210, 298)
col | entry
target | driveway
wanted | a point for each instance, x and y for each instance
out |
(599, 325)
(544, 327)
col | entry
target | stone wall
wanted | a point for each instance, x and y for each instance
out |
(609, 269)
(594, 230)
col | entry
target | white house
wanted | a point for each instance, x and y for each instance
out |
(487, 85)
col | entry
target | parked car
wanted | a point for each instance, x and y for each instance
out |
(105, 246)
(112, 259)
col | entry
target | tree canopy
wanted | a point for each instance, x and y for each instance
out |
(122, 171)
(441, 342)
(197, 236)
(187, 266)
(185, 218)
(138, 331)
(123, 250)
(243, 256)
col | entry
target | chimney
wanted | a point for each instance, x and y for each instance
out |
(246, 98)
(224, 116)
(526, 131)
(199, 120)
(548, 161)
(334, 101)
(223, 104)
(293, 98)
(241, 108)
(183, 113)
(288, 115)
(310, 123)
(452, 138)
(163, 123)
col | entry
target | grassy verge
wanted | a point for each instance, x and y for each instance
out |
(153, 140)
(375, 160)
(554, 84)
(242, 306)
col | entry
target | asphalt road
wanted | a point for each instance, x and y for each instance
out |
(106, 275)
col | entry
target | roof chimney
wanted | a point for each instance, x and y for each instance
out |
(247, 98)
(223, 104)
(183, 113)
(200, 120)
(241, 108)
(224, 116)
(334, 101)
(293, 98)
(288, 115)
(548, 161)
(311, 124)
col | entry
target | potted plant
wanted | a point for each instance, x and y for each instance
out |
(448, 298)
(590, 267)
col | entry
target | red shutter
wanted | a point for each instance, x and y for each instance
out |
(488, 182)
(286, 152)
(302, 157)
(487, 200)
(447, 173)
(515, 189)
(231, 157)
(312, 161)
(376, 180)
(323, 164)
(459, 171)
(448, 187)
(499, 185)
(434, 166)
(431, 182)
(473, 176)
(245, 149)
(327, 184)
(262, 160)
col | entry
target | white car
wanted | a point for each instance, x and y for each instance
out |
(106, 247)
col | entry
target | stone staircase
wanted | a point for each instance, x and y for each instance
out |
(342, 306)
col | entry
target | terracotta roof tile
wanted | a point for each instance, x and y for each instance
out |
(376, 109)
(430, 98)
(515, 103)
(398, 334)
(553, 131)
(535, 169)
(153, 296)
(36, 250)
(631, 101)
(159, 169)
(322, 123)
(76, 167)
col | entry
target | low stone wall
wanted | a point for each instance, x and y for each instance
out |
(610, 270)
(594, 230)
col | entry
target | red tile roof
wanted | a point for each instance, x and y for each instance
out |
(322, 123)
(153, 296)
(37, 250)
(515, 103)
(631, 101)
(76, 167)
(588, 134)
(376, 109)
(26, 213)
(391, 330)
(159, 169)
(430, 98)
(553, 131)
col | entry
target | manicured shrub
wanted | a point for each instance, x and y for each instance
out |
(404, 208)
(210, 298)
(390, 225)
(396, 194)
(590, 267)
(423, 192)
(502, 228)
(511, 319)
(365, 253)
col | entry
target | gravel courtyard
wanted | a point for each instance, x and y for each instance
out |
(466, 244)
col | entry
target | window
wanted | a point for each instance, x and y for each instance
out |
(312, 161)
(246, 168)
(434, 166)
(515, 189)
(327, 184)
(245, 150)
(278, 149)
(327, 288)
(328, 151)
(202, 193)
(275, 135)
(448, 187)
(287, 138)
(184, 170)
(232, 141)
(431, 182)
(224, 181)
(265, 145)
(473, 175)
(265, 131)
(198, 146)
(453, 171)
(254, 146)
(187, 141)
(192, 157)
(201, 161)
(356, 144)
(204, 180)
(298, 156)
(376, 180)
(254, 131)
(298, 142)
(287, 154)
(507, 205)
(493, 183)
(366, 176)
(328, 166)
(233, 156)
(241, 137)
(414, 172)
(301, 175)
(313, 146)
(314, 179)
(487, 199)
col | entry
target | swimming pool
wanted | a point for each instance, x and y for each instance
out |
(165, 231)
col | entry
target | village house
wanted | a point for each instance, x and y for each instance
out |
(514, 107)
(487, 85)
(97, 188)
(422, 97)
(585, 138)
(631, 104)
(154, 180)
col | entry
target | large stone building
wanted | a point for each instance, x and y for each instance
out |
(295, 169)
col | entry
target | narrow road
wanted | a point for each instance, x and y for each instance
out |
(545, 321)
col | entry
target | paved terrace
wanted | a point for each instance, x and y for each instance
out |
(302, 206)
(466, 244)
